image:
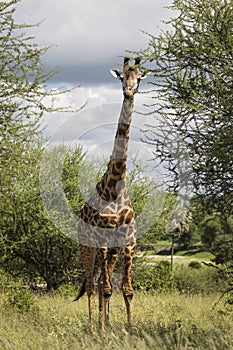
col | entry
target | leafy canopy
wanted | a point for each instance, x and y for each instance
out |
(191, 64)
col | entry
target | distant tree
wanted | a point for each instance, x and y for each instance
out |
(222, 248)
(152, 206)
(189, 238)
(230, 223)
(147, 200)
(211, 228)
(192, 67)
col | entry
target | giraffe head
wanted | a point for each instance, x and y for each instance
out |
(130, 77)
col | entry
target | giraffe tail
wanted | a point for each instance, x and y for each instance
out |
(82, 291)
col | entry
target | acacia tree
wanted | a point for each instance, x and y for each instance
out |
(33, 246)
(28, 240)
(193, 89)
(23, 87)
(22, 83)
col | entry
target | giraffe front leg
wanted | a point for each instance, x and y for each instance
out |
(104, 286)
(126, 281)
(113, 254)
(101, 304)
(105, 277)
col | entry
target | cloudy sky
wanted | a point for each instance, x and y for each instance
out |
(87, 38)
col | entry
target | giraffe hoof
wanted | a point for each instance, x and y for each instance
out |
(129, 297)
(107, 295)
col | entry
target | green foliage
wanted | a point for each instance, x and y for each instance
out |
(191, 64)
(32, 245)
(29, 243)
(189, 238)
(18, 293)
(195, 264)
(222, 245)
(22, 90)
(138, 187)
(199, 280)
(66, 290)
(22, 298)
(224, 275)
(153, 278)
(189, 279)
(148, 201)
(211, 228)
(222, 248)
(159, 211)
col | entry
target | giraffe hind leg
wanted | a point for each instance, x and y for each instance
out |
(126, 281)
(88, 255)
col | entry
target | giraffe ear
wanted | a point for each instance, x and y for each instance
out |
(116, 73)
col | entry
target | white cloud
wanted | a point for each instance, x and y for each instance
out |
(103, 104)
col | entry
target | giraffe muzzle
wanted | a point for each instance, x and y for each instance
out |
(128, 92)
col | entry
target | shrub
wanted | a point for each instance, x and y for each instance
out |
(192, 280)
(66, 290)
(156, 277)
(18, 292)
(195, 264)
(22, 298)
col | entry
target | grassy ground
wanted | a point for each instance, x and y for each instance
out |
(162, 322)
(180, 257)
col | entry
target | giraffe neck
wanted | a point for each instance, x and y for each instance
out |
(120, 149)
(113, 181)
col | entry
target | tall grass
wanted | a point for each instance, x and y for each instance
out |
(161, 322)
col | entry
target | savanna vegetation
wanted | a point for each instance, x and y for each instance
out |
(182, 300)
(165, 322)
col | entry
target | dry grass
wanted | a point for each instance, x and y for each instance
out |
(162, 322)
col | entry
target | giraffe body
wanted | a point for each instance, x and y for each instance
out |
(107, 223)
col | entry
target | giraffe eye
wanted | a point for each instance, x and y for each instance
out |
(121, 76)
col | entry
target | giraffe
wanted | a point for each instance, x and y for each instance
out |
(106, 221)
